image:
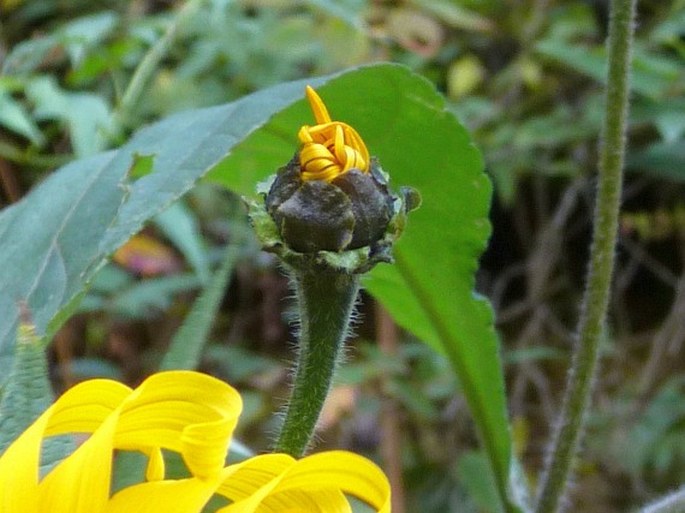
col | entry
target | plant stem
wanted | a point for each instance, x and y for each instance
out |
(387, 334)
(326, 301)
(14, 154)
(596, 298)
(149, 64)
(186, 346)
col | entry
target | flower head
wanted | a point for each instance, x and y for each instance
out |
(329, 148)
(331, 206)
(186, 412)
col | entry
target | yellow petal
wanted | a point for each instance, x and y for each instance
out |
(184, 411)
(329, 148)
(354, 140)
(187, 412)
(81, 483)
(155, 465)
(339, 145)
(297, 501)
(82, 408)
(346, 471)
(318, 108)
(85, 406)
(318, 163)
(304, 135)
(205, 446)
(253, 479)
(180, 410)
(181, 496)
(275, 483)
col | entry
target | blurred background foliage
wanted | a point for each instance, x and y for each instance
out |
(525, 77)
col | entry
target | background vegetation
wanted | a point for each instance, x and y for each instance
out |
(524, 77)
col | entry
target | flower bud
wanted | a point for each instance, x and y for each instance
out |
(349, 212)
(332, 199)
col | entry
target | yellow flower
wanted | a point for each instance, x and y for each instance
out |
(186, 412)
(329, 148)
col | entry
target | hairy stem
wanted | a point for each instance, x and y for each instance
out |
(596, 298)
(325, 301)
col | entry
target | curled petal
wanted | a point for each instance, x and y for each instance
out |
(339, 146)
(276, 482)
(179, 496)
(329, 148)
(318, 163)
(351, 473)
(187, 412)
(81, 409)
(183, 411)
(355, 141)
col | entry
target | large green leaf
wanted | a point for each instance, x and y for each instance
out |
(429, 290)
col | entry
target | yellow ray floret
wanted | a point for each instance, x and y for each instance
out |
(186, 412)
(329, 148)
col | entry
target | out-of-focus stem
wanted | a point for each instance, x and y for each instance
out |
(391, 434)
(150, 62)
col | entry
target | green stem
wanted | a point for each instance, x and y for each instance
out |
(596, 298)
(14, 154)
(150, 62)
(326, 302)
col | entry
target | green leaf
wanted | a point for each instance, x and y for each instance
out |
(652, 76)
(86, 114)
(429, 289)
(662, 159)
(28, 394)
(79, 34)
(13, 116)
(186, 346)
(472, 470)
(154, 294)
(179, 225)
(455, 15)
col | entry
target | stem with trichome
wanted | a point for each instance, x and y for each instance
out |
(325, 306)
(596, 298)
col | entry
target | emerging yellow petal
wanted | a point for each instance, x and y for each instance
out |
(329, 148)
(320, 111)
